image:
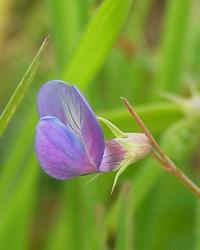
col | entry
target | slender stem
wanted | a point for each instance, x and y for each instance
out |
(143, 127)
(170, 167)
(155, 155)
(160, 156)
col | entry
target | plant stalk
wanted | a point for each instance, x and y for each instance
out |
(160, 156)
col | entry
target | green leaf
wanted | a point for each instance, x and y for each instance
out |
(124, 232)
(12, 163)
(21, 89)
(67, 20)
(157, 116)
(96, 41)
(17, 209)
(173, 44)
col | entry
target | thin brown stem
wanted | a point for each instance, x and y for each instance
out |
(143, 127)
(170, 167)
(160, 156)
(155, 155)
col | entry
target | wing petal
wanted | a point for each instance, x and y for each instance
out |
(65, 102)
(59, 151)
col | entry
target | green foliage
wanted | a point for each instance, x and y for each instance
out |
(125, 224)
(90, 54)
(67, 20)
(108, 49)
(173, 44)
(197, 228)
(21, 90)
(168, 199)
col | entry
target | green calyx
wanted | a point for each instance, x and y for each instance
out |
(136, 146)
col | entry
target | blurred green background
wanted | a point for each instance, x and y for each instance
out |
(138, 49)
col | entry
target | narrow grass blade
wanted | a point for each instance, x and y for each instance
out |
(173, 44)
(21, 90)
(17, 209)
(158, 117)
(11, 165)
(99, 228)
(135, 26)
(96, 41)
(67, 20)
(124, 234)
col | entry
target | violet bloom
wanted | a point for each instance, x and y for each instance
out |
(69, 141)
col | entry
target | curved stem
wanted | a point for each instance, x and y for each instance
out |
(160, 156)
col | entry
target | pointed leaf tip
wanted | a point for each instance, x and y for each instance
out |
(114, 129)
(21, 89)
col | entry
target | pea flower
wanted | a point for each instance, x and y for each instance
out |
(69, 141)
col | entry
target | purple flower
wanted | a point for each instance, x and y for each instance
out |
(69, 141)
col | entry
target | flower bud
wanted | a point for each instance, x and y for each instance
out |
(132, 147)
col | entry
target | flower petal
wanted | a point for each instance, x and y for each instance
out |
(57, 98)
(49, 101)
(113, 156)
(59, 151)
